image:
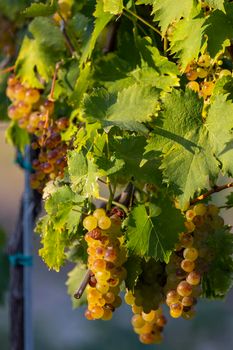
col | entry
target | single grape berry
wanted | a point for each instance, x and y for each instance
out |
(90, 223)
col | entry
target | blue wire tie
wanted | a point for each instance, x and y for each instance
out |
(22, 163)
(20, 259)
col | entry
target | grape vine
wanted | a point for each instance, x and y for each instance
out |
(128, 107)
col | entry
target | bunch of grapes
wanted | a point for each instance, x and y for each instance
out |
(35, 115)
(202, 75)
(190, 260)
(24, 100)
(148, 320)
(106, 255)
(148, 326)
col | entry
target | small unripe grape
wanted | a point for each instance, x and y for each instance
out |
(172, 297)
(99, 213)
(107, 315)
(193, 278)
(190, 253)
(149, 317)
(90, 223)
(212, 209)
(137, 321)
(187, 265)
(189, 226)
(193, 85)
(161, 321)
(202, 73)
(187, 301)
(204, 60)
(200, 209)
(104, 222)
(190, 214)
(97, 312)
(224, 73)
(176, 310)
(184, 289)
(192, 75)
(186, 239)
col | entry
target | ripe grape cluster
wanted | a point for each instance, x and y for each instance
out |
(148, 320)
(35, 115)
(106, 255)
(148, 325)
(190, 260)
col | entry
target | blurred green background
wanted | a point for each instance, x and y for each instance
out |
(58, 327)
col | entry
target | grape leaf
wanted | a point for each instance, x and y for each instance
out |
(168, 11)
(187, 40)
(130, 149)
(219, 279)
(187, 145)
(113, 6)
(53, 242)
(218, 40)
(40, 9)
(73, 282)
(216, 4)
(220, 134)
(229, 201)
(12, 8)
(101, 20)
(132, 106)
(154, 236)
(38, 55)
(83, 174)
(81, 85)
(65, 209)
(17, 136)
(134, 269)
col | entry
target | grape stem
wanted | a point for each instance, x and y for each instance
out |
(78, 294)
(7, 70)
(215, 189)
(143, 21)
(122, 206)
(51, 97)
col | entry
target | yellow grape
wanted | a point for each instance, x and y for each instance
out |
(187, 265)
(224, 72)
(192, 75)
(193, 278)
(176, 310)
(107, 315)
(187, 301)
(200, 209)
(99, 212)
(129, 298)
(137, 321)
(207, 88)
(204, 61)
(202, 73)
(90, 223)
(150, 316)
(189, 226)
(184, 289)
(193, 85)
(190, 253)
(104, 222)
(97, 312)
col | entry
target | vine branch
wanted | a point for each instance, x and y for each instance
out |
(215, 189)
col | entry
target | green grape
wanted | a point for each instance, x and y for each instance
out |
(200, 209)
(90, 222)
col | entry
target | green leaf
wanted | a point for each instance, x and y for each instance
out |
(130, 150)
(17, 136)
(187, 40)
(12, 8)
(216, 4)
(65, 209)
(134, 269)
(187, 145)
(219, 279)
(83, 174)
(218, 40)
(113, 6)
(133, 105)
(73, 282)
(110, 166)
(154, 236)
(169, 11)
(53, 242)
(40, 9)
(220, 134)
(101, 20)
(81, 85)
(38, 55)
